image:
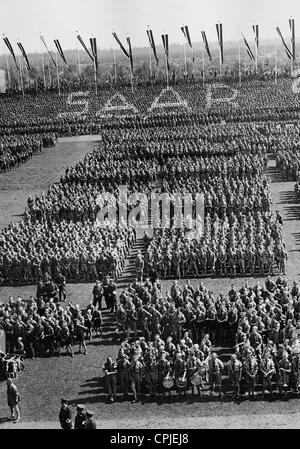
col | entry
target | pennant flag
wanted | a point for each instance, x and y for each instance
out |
(130, 53)
(152, 44)
(219, 27)
(94, 51)
(120, 45)
(24, 55)
(84, 46)
(287, 50)
(165, 39)
(292, 28)
(49, 52)
(8, 44)
(206, 44)
(256, 35)
(61, 53)
(249, 51)
(186, 33)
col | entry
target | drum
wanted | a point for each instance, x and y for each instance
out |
(168, 382)
(181, 382)
(196, 379)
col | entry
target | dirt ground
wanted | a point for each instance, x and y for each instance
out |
(78, 379)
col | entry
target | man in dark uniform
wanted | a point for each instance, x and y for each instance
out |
(90, 422)
(61, 283)
(80, 418)
(97, 294)
(65, 415)
(13, 399)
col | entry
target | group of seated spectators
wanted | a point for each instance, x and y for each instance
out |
(175, 334)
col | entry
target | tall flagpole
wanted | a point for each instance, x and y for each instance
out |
(115, 65)
(276, 64)
(256, 58)
(240, 73)
(57, 74)
(150, 60)
(78, 57)
(95, 77)
(8, 72)
(43, 68)
(185, 65)
(292, 51)
(167, 71)
(203, 67)
(21, 76)
(49, 74)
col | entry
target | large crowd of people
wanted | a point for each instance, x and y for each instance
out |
(168, 340)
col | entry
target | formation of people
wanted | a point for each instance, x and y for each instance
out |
(48, 324)
(168, 341)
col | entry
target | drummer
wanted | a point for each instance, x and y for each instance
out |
(163, 371)
(194, 366)
(180, 371)
(215, 367)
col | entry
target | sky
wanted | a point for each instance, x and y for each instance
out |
(26, 19)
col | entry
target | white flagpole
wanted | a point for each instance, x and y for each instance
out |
(150, 58)
(78, 57)
(8, 72)
(292, 62)
(43, 68)
(256, 57)
(185, 66)
(115, 65)
(21, 76)
(276, 64)
(203, 67)
(167, 71)
(240, 73)
(57, 74)
(95, 76)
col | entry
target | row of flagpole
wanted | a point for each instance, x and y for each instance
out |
(290, 52)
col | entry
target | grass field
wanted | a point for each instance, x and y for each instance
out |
(78, 379)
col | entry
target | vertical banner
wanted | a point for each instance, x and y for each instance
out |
(10, 49)
(219, 27)
(293, 45)
(165, 40)
(152, 44)
(256, 36)
(249, 51)
(204, 38)
(24, 55)
(130, 53)
(287, 50)
(93, 43)
(61, 53)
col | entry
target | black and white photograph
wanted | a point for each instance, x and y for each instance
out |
(149, 217)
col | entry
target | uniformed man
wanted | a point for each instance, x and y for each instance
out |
(65, 415)
(90, 422)
(13, 399)
(80, 418)
(235, 374)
